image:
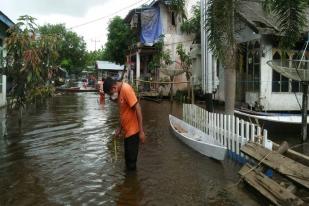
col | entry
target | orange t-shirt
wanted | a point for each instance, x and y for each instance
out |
(128, 116)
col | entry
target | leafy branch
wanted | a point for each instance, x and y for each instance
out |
(161, 57)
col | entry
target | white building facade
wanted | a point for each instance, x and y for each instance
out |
(259, 87)
(5, 23)
(140, 56)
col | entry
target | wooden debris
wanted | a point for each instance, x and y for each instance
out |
(283, 147)
(268, 187)
(301, 158)
(286, 166)
(180, 129)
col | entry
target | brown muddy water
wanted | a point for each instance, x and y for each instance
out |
(64, 155)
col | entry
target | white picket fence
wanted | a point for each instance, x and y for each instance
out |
(229, 130)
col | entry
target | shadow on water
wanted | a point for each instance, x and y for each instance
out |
(64, 154)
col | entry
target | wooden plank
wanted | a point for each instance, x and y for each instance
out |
(237, 136)
(268, 187)
(259, 135)
(286, 166)
(204, 120)
(218, 127)
(221, 129)
(304, 159)
(228, 132)
(207, 122)
(265, 137)
(247, 131)
(215, 125)
(225, 130)
(242, 135)
(252, 137)
(233, 134)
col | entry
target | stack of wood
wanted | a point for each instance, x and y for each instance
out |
(288, 168)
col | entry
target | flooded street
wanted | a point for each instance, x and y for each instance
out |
(64, 155)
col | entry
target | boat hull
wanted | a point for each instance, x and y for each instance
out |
(275, 124)
(75, 90)
(197, 139)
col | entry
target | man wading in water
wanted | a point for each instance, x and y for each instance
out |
(130, 118)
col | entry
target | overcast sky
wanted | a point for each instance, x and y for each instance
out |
(73, 13)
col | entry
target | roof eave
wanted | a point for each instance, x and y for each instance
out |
(6, 20)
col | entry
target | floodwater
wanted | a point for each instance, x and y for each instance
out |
(64, 154)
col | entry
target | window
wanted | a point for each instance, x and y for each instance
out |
(0, 83)
(296, 84)
(253, 73)
(281, 83)
(1, 53)
(173, 19)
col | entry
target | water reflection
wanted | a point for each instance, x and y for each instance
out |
(130, 192)
(2, 122)
(64, 155)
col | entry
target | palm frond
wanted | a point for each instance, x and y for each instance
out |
(220, 26)
(291, 18)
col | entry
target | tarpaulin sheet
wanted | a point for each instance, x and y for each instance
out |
(151, 26)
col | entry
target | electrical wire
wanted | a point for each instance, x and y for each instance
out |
(112, 14)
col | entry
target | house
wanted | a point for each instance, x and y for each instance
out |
(259, 86)
(5, 23)
(152, 22)
(108, 69)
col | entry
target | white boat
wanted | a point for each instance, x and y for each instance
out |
(197, 139)
(275, 118)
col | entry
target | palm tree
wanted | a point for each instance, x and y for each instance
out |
(220, 26)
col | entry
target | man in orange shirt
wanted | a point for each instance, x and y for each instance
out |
(100, 88)
(130, 118)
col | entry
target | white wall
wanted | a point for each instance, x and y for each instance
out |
(272, 101)
(172, 37)
(284, 102)
(2, 122)
(3, 91)
(265, 78)
(265, 75)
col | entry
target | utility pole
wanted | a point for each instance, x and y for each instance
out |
(95, 43)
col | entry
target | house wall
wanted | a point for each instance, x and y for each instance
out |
(2, 90)
(243, 34)
(219, 94)
(172, 37)
(3, 122)
(3, 54)
(272, 101)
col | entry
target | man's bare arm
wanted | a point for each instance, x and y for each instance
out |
(140, 122)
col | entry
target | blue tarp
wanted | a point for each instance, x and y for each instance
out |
(151, 26)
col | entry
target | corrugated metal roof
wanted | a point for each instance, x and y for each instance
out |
(6, 20)
(106, 65)
(129, 16)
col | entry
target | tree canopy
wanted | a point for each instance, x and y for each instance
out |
(119, 38)
(193, 25)
(71, 47)
(291, 16)
(93, 56)
(30, 59)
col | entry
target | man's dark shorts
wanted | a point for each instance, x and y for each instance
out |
(131, 145)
